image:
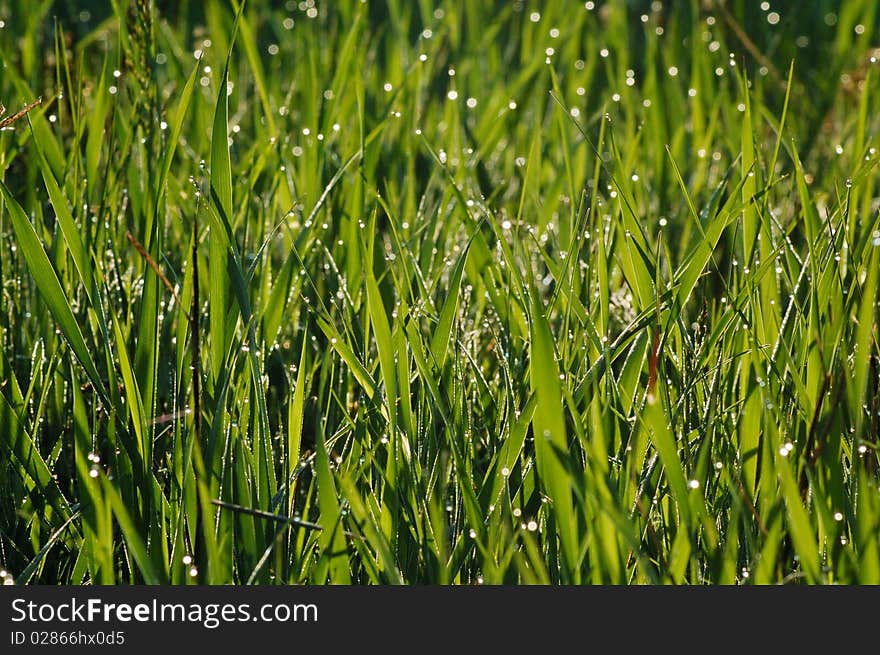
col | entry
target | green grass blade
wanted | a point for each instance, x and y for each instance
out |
(551, 437)
(49, 286)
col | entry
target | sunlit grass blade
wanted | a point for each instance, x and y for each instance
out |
(334, 550)
(551, 437)
(49, 286)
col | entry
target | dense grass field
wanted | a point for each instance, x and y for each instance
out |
(439, 292)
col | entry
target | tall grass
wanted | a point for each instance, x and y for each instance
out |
(404, 292)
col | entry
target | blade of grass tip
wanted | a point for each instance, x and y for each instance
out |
(50, 288)
(440, 340)
(562, 120)
(95, 133)
(176, 128)
(695, 215)
(695, 261)
(350, 51)
(812, 222)
(275, 309)
(772, 167)
(384, 344)
(751, 223)
(631, 372)
(221, 195)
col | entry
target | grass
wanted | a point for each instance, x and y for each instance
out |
(453, 293)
